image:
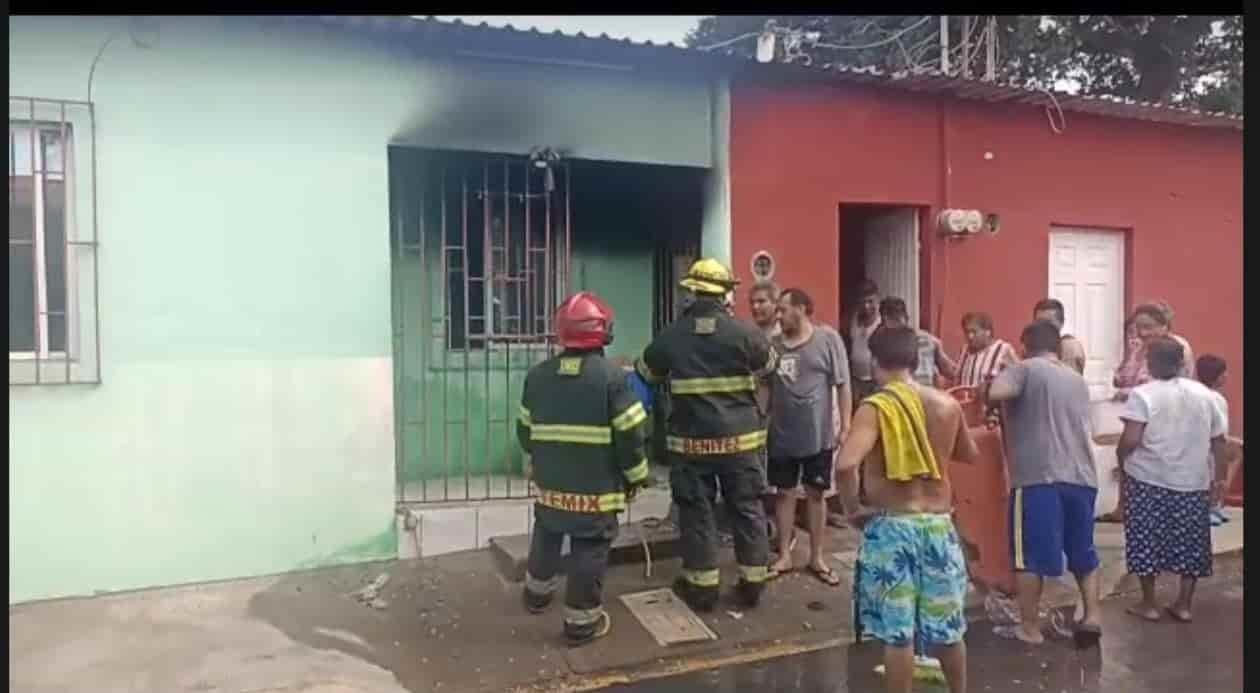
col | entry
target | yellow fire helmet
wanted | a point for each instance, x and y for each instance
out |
(708, 276)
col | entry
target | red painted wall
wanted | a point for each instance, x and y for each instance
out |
(798, 151)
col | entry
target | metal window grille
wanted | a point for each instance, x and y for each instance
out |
(54, 316)
(483, 245)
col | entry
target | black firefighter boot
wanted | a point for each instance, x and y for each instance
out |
(701, 599)
(749, 593)
(581, 635)
(535, 603)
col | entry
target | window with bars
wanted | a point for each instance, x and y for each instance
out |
(49, 258)
(39, 312)
(504, 231)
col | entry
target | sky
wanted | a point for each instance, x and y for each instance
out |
(654, 28)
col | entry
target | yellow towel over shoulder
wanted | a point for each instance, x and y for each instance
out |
(903, 432)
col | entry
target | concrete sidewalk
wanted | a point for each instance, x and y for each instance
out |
(449, 623)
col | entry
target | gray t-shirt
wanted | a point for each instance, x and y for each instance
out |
(804, 385)
(1048, 429)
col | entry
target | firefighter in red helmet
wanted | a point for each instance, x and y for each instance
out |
(583, 428)
(712, 364)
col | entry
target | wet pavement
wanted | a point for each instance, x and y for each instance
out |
(1137, 657)
(453, 623)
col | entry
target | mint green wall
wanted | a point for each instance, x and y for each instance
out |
(245, 424)
(619, 268)
(620, 271)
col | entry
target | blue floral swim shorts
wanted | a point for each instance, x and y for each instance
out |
(912, 579)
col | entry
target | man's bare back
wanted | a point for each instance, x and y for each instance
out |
(950, 440)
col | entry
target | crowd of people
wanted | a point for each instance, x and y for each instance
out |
(861, 428)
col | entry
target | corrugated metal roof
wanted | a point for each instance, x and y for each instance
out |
(604, 49)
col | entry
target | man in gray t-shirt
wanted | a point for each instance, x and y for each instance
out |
(811, 383)
(1053, 480)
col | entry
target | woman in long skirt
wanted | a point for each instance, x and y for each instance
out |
(1171, 430)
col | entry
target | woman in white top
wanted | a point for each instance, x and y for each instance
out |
(1171, 425)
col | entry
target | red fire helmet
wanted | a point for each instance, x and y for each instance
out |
(584, 322)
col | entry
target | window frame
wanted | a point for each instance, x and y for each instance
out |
(470, 207)
(39, 177)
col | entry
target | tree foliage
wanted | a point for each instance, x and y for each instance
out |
(1193, 60)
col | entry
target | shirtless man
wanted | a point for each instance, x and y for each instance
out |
(900, 599)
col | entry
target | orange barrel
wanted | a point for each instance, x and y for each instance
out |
(981, 500)
(1234, 482)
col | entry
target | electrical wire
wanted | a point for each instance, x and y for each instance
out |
(876, 44)
(828, 46)
(727, 42)
(1058, 130)
(92, 70)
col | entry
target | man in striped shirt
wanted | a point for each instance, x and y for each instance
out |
(985, 355)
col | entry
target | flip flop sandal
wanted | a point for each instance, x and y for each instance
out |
(1178, 616)
(773, 574)
(827, 577)
(1138, 613)
(1011, 632)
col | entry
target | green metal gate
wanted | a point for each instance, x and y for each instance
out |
(481, 254)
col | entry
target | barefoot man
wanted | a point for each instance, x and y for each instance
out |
(912, 577)
(809, 386)
(1053, 481)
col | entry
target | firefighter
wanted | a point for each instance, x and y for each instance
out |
(583, 428)
(712, 363)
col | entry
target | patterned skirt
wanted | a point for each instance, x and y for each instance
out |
(1166, 531)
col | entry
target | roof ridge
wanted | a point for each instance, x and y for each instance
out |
(997, 90)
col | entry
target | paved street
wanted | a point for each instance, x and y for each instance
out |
(1205, 656)
(452, 623)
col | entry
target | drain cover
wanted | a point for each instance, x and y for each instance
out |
(667, 618)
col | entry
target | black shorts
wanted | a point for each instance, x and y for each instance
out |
(814, 471)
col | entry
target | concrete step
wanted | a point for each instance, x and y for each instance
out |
(511, 553)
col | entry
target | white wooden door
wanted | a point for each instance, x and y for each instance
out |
(891, 242)
(1087, 275)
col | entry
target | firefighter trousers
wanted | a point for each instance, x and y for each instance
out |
(590, 540)
(694, 483)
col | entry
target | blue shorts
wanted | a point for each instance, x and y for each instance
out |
(1049, 521)
(911, 581)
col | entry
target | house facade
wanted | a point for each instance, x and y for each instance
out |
(286, 275)
(1099, 203)
(275, 282)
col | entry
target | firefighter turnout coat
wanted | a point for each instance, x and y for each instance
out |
(712, 364)
(583, 428)
(715, 435)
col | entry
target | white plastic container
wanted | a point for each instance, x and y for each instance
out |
(1108, 487)
(1104, 417)
(1105, 422)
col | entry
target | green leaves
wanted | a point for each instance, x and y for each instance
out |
(1188, 60)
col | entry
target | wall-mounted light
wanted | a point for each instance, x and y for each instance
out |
(546, 159)
(992, 223)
